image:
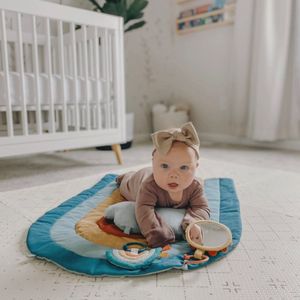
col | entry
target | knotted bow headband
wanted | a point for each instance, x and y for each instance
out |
(164, 139)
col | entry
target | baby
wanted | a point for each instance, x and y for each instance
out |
(170, 182)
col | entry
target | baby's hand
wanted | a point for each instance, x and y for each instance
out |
(196, 234)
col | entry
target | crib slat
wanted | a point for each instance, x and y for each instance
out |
(1, 66)
(86, 82)
(49, 79)
(53, 50)
(10, 130)
(97, 74)
(80, 59)
(22, 77)
(66, 60)
(69, 47)
(110, 53)
(91, 58)
(16, 56)
(107, 59)
(36, 77)
(74, 73)
(61, 62)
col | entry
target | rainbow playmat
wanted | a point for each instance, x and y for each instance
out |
(69, 235)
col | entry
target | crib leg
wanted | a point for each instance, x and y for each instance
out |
(117, 150)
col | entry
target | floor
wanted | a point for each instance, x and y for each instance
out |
(265, 264)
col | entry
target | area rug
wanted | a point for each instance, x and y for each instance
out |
(265, 264)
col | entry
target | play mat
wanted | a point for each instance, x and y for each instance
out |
(76, 235)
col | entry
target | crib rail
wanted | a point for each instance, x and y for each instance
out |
(60, 87)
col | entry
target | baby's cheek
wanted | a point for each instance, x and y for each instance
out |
(160, 178)
(188, 178)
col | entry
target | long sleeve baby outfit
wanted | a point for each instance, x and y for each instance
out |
(141, 187)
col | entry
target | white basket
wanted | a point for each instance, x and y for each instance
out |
(162, 121)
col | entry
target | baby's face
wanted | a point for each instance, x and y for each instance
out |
(175, 171)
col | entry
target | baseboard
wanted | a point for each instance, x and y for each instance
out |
(293, 145)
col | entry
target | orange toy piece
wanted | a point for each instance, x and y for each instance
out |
(186, 257)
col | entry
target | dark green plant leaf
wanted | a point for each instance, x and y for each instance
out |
(135, 26)
(137, 16)
(134, 10)
(116, 9)
(119, 8)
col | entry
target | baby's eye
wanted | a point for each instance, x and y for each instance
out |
(183, 167)
(165, 166)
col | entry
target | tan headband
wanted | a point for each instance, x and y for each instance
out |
(164, 139)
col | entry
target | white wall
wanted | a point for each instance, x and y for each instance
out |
(201, 68)
(162, 66)
(149, 53)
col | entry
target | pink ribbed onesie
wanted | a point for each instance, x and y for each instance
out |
(141, 187)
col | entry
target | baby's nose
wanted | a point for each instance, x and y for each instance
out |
(174, 175)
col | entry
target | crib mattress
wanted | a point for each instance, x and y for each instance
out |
(30, 95)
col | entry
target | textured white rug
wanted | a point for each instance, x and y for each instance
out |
(265, 265)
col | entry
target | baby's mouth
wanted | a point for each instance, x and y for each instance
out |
(173, 185)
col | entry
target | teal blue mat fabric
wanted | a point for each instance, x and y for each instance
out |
(53, 236)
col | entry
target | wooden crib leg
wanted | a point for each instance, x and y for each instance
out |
(117, 150)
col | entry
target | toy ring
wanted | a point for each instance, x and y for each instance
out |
(125, 247)
(204, 259)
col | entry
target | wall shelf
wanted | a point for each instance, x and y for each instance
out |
(203, 16)
(202, 27)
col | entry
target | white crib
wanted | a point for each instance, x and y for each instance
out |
(61, 78)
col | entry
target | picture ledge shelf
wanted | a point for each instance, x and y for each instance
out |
(205, 26)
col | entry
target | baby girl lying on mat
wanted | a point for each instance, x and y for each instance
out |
(170, 182)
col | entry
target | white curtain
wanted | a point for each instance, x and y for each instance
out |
(265, 99)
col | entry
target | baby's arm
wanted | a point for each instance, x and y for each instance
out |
(198, 208)
(155, 229)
